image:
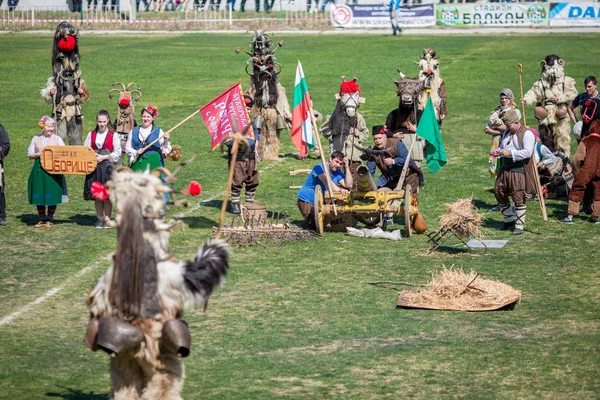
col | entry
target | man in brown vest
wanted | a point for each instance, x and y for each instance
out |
(516, 149)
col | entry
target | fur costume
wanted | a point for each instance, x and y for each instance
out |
(553, 118)
(271, 106)
(429, 73)
(70, 90)
(136, 305)
(345, 126)
(408, 112)
(125, 120)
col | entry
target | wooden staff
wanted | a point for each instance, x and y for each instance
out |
(536, 175)
(521, 85)
(325, 167)
(170, 130)
(237, 138)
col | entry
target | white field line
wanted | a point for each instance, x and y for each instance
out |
(52, 292)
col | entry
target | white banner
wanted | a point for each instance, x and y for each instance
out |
(575, 14)
(378, 16)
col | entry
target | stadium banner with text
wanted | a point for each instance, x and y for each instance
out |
(378, 16)
(574, 14)
(492, 14)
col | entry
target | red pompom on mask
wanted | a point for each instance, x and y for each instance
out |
(124, 102)
(349, 87)
(67, 44)
(99, 191)
(193, 189)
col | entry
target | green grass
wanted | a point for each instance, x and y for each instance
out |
(299, 321)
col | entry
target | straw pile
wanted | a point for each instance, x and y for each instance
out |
(462, 218)
(453, 289)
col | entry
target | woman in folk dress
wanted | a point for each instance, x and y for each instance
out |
(43, 189)
(141, 136)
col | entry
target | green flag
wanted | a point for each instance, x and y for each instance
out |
(429, 130)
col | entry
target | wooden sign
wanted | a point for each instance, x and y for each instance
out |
(68, 160)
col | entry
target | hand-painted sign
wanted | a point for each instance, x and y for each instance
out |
(69, 160)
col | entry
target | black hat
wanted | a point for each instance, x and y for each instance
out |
(380, 130)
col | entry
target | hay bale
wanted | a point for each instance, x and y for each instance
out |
(462, 218)
(453, 289)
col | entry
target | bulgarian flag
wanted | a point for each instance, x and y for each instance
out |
(302, 132)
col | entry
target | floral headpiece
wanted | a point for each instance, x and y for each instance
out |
(152, 111)
(42, 122)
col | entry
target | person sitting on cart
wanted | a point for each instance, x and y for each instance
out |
(341, 183)
(389, 156)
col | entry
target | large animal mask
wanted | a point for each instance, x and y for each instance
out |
(553, 69)
(428, 67)
(65, 51)
(349, 96)
(408, 89)
(125, 110)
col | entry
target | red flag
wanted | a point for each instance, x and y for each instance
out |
(219, 113)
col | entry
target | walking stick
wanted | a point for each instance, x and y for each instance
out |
(536, 175)
(521, 85)
(170, 130)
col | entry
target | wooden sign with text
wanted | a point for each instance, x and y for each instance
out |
(68, 160)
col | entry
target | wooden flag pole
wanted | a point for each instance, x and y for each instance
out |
(170, 130)
(237, 138)
(536, 175)
(325, 167)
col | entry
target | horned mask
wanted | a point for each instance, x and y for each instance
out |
(553, 69)
(349, 96)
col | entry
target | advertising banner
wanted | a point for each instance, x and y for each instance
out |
(575, 14)
(492, 14)
(378, 16)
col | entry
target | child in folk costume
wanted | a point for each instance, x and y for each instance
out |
(587, 166)
(245, 170)
(141, 136)
(107, 146)
(43, 189)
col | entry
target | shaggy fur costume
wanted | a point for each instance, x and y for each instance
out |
(346, 127)
(409, 111)
(429, 73)
(71, 90)
(270, 101)
(554, 127)
(145, 288)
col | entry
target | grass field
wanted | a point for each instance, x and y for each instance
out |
(300, 321)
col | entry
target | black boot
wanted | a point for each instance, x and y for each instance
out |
(235, 208)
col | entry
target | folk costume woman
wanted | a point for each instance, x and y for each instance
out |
(107, 146)
(496, 127)
(43, 189)
(142, 136)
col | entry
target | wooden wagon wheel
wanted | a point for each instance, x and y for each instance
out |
(318, 210)
(407, 202)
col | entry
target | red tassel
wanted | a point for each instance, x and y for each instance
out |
(100, 192)
(193, 189)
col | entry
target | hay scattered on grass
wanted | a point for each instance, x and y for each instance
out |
(453, 289)
(462, 218)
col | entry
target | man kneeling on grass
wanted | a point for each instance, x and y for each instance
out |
(341, 182)
(587, 167)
